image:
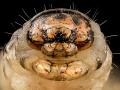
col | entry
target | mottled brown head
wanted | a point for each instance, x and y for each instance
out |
(60, 33)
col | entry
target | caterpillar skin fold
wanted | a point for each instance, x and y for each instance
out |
(57, 49)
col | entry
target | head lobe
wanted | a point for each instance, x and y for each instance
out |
(60, 28)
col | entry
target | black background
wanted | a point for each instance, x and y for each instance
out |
(106, 9)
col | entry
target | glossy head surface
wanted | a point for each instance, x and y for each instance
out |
(60, 33)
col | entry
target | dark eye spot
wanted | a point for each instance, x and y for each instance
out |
(76, 19)
(99, 63)
(60, 16)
